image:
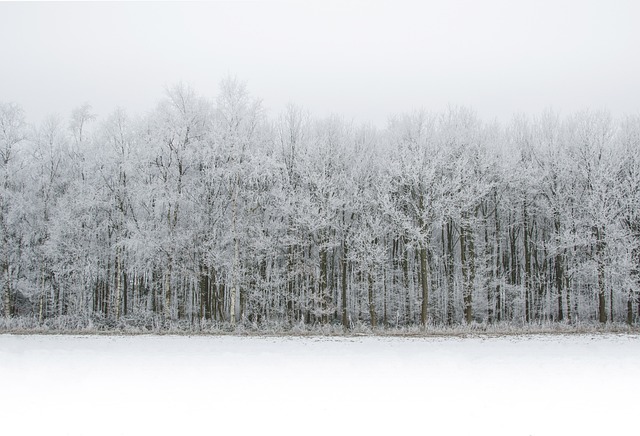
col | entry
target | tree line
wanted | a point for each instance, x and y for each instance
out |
(210, 211)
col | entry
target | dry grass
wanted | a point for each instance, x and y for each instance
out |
(158, 326)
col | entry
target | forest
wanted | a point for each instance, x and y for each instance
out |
(210, 212)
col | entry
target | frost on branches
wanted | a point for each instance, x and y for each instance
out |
(210, 213)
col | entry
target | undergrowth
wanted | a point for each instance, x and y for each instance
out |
(158, 325)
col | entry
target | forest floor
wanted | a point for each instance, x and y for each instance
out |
(162, 327)
(533, 384)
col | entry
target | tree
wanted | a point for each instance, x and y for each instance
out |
(13, 132)
(590, 149)
(418, 189)
(236, 123)
(628, 196)
(49, 184)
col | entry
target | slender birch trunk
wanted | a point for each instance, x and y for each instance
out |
(236, 251)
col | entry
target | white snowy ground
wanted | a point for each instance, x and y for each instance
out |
(151, 385)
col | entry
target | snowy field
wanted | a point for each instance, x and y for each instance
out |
(150, 385)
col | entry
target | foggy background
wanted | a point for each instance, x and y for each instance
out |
(364, 60)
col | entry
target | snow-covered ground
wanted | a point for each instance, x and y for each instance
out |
(150, 385)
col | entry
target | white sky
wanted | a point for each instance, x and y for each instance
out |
(363, 60)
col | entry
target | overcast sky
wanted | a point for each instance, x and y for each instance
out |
(362, 60)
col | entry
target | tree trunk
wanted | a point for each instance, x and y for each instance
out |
(472, 276)
(125, 292)
(559, 284)
(236, 256)
(205, 306)
(345, 317)
(527, 265)
(167, 295)
(384, 299)
(372, 305)
(290, 284)
(118, 283)
(611, 304)
(449, 267)
(221, 301)
(559, 271)
(405, 275)
(243, 302)
(322, 283)
(498, 272)
(467, 273)
(489, 273)
(106, 292)
(567, 288)
(424, 282)
(602, 306)
(7, 291)
(42, 295)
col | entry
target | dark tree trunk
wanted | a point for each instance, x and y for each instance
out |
(602, 306)
(498, 274)
(450, 273)
(372, 305)
(466, 260)
(527, 265)
(205, 306)
(424, 282)
(343, 286)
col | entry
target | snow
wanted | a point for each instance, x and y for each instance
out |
(114, 385)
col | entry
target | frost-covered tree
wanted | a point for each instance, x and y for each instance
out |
(13, 133)
(206, 212)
